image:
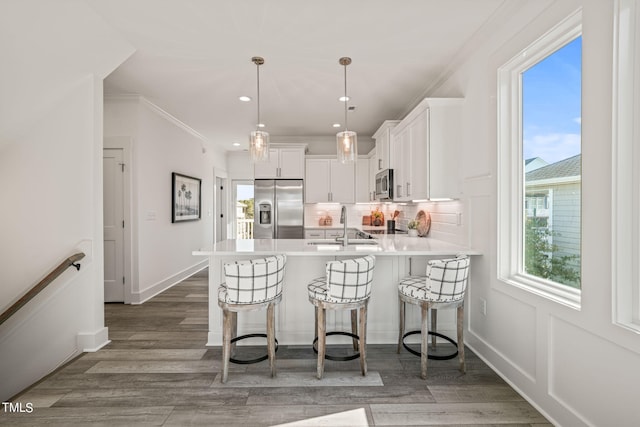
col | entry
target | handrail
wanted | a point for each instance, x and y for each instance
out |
(69, 262)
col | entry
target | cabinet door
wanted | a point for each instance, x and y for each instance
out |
(332, 234)
(401, 161)
(314, 234)
(373, 170)
(382, 151)
(445, 135)
(417, 183)
(291, 163)
(363, 193)
(268, 169)
(343, 178)
(316, 183)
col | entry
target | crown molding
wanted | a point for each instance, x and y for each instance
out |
(159, 111)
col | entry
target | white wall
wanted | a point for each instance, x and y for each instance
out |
(574, 365)
(161, 144)
(51, 183)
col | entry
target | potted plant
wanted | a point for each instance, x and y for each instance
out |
(413, 228)
(377, 218)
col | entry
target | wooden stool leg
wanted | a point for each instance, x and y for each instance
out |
(226, 343)
(363, 339)
(322, 339)
(425, 342)
(315, 326)
(354, 328)
(401, 331)
(271, 338)
(234, 330)
(434, 326)
(460, 327)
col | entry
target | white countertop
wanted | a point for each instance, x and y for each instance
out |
(388, 245)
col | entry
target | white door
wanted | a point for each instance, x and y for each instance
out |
(113, 210)
(220, 203)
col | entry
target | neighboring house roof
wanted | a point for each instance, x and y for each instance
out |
(534, 163)
(570, 167)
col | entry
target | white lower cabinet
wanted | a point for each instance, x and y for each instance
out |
(314, 233)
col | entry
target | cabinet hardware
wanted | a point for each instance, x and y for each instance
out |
(379, 163)
(408, 189)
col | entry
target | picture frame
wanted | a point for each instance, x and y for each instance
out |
(186, 198)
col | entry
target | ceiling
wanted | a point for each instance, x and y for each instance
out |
(193, 59)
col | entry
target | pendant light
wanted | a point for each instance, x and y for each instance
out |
(258, 140)
(347, 141)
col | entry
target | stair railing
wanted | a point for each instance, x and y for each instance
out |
(69, 262)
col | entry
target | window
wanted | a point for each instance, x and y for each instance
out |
(625, 212)
(243, 209)
(540, 168)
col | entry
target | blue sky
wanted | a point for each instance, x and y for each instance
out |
(245, 192)
(551, 92)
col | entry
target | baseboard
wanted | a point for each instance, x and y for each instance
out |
(513, 385)
(92, 342)
(156, 289)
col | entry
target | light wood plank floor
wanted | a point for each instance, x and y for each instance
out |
(157, 371)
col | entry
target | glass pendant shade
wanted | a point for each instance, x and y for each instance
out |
(347, 146)
(259, 146)
(347, 140)
(258, 139)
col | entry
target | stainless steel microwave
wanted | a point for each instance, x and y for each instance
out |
(384, 185)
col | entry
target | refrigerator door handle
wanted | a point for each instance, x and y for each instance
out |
(275, 213)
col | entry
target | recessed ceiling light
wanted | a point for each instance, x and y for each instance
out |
(336, 125)
(236, 144)
(343, 99)
(244, 98)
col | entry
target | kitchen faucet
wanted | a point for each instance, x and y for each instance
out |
(343, 220)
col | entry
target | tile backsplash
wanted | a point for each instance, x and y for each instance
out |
(447, 220)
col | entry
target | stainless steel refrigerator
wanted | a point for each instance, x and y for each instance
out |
(279, 205)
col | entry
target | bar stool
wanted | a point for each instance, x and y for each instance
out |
(250, 285)
(443, 287)
(346, 286)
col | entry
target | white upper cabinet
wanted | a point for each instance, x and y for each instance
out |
(373, 170)
(423, 150)
(363, 185)
(383, 143)
(284, 163)
(328, 180)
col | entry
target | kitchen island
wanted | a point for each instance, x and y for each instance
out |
(396, 256)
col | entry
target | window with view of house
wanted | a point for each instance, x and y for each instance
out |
(243, 198)
(540, 95)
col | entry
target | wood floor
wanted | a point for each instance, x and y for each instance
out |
(157, 371)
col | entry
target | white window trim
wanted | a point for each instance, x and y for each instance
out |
(625, 213)
(511, 166)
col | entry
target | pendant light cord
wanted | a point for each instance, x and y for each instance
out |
(258, 78)
(346, 99)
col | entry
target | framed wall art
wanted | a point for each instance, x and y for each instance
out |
(185, 198)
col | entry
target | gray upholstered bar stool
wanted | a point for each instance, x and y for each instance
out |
(444, 286)
(250, 285)
(346, 286)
